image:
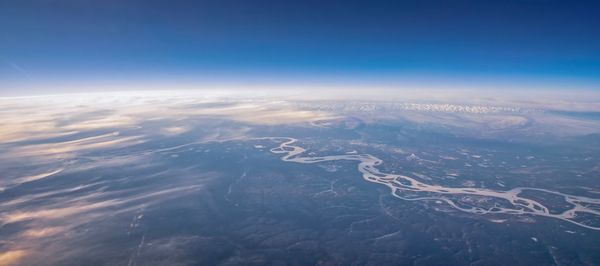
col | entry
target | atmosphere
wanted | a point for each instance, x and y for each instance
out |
(50, 45)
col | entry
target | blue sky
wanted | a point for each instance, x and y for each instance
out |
(46, 44)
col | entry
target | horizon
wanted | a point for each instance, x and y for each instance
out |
(313, 132)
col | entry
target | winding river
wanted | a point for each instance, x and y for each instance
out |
(399, 185)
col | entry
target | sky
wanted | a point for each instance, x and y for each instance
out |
(48, 45)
